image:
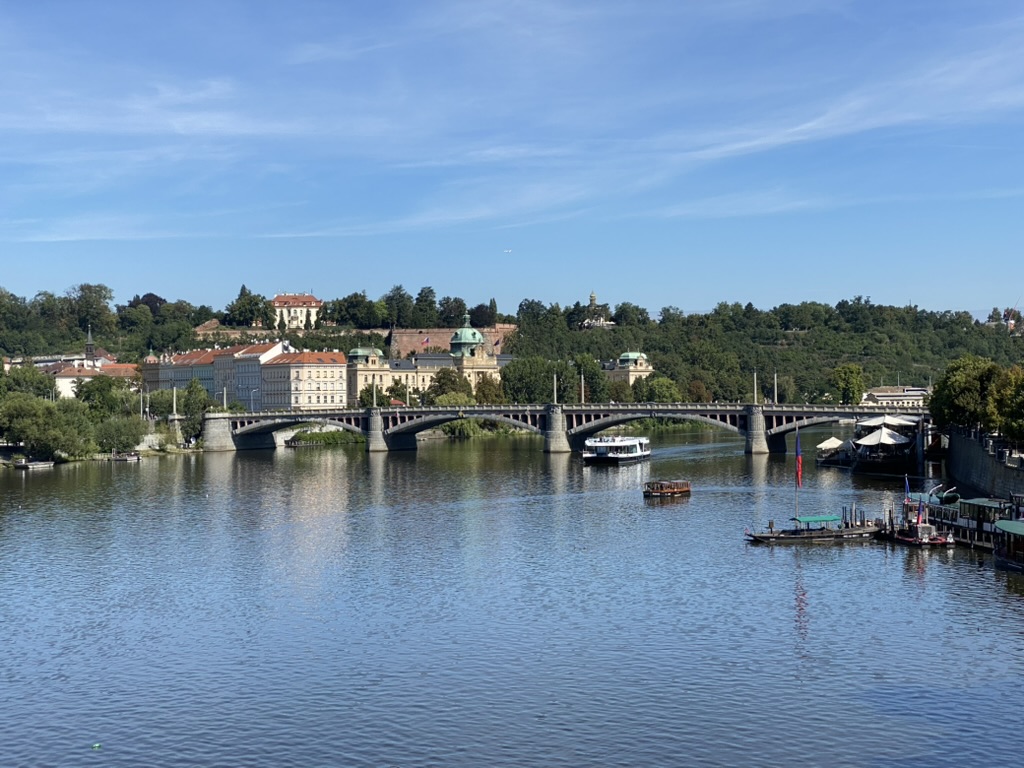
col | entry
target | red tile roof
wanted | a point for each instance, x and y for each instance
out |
(308, 358)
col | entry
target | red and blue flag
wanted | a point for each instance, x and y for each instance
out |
(799, 463)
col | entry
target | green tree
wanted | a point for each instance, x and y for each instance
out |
(595, 380)
(248, 310)
(656, 389)
(849, 383)
(424, 312)
(527, 380)
(447, 381)
(960, 396)
(451, 310)
(1005, 407)
(489, 391)
(619, 392)
(29, 380)
(90, 307)
(366, 396)
(160, 403)
(399, 305)
(627, 314)
(46, 429)
(192, 404)
(120, 434)
(106, 396)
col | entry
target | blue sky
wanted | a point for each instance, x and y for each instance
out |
(675, 153)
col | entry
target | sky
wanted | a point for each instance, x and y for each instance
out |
(666, 153)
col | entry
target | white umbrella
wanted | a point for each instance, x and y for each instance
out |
(883, 436)
(886, 421)
(832, 442)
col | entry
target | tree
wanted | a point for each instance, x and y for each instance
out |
(1006, 403)
(656, 389)
(357, 310)
(484, 315)
(120, 434)
(595, 380)
(960, 396)
(367, 395)
(160, 403)
(451, 310)
(489, 391)
(399, 306)
(627, 314)
(248, 310)
(447, 381)
(27, 379)
(849, 383)
(192, 404)
(90, 307)
(47, 430)
(105, 397)
(527, 380)
(135, 319)
(424, 311)
(619, 391)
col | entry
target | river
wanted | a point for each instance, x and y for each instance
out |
(484, 604)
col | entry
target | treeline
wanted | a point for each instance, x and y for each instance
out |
(800, 352)
(809, 348)
(50, 323)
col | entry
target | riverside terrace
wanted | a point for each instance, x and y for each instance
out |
(564, 427)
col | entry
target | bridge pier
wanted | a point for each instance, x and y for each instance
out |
(217, 432)
(757, 441)
(375, 433)
(555, 440)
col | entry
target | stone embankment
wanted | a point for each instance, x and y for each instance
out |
(986, 463)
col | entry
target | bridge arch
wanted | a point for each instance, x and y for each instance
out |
(423, 423)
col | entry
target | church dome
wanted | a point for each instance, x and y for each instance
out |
(466, 340)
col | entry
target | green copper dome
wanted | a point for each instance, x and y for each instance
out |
(466, 340)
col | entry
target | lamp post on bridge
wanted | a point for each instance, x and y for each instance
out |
(251, 399)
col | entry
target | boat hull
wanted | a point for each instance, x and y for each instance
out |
(816, 536)
(588, 459)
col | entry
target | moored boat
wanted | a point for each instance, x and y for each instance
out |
(1009, 545)
(815, 529)
(616, 449)
(915, 534)
(666, 489)
(26, 464)
(915, 529)
(129, 456)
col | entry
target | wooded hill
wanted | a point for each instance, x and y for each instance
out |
(711, 356)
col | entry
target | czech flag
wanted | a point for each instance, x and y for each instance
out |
(799, 463)
(906, 484)
(425, 341)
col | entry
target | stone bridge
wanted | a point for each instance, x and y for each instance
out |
(564, 427)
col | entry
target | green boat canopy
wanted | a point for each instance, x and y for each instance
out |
(1013, 527)
(804, 519)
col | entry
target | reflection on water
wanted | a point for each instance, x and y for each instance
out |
(483, 603)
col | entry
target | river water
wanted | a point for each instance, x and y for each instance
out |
(484, 604)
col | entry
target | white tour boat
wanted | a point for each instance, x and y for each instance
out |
(616, 449)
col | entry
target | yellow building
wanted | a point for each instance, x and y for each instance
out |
(471, 354)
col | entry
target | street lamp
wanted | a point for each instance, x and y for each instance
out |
(251, 393)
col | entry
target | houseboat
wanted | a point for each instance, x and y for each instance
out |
(616, 449)
(666, 489)
(1009, 545)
